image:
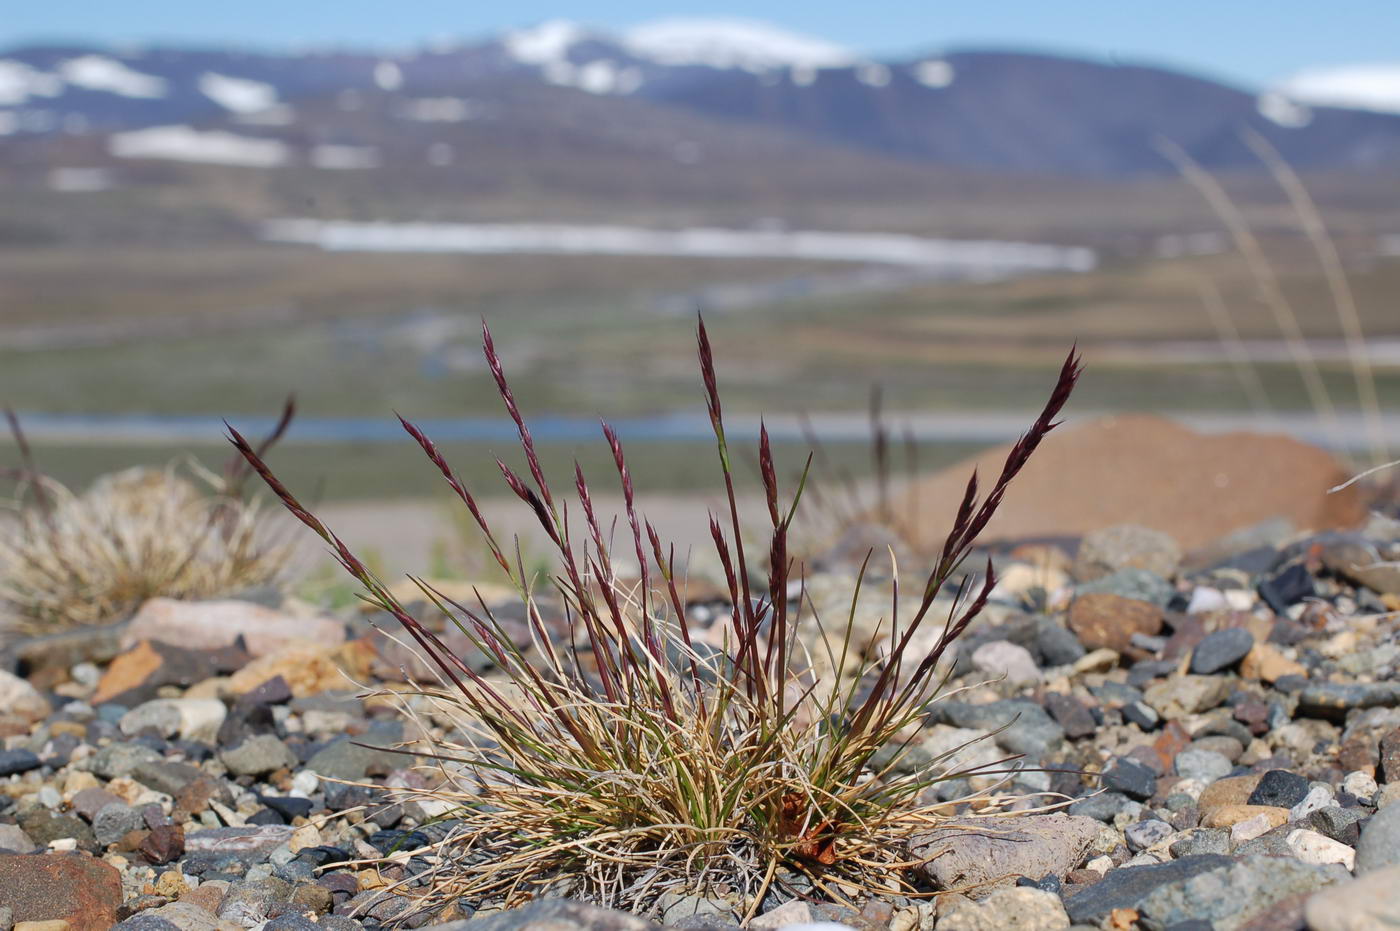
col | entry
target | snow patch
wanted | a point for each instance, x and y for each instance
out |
(440, 109)
(873, 74)
(388, 76)
(79, 180)
(603, 76)
(964, 257)
(186, 144)
(548, 42)
(732, 43)
(100, 73)
(19, 82)
(1278, 108)
(238, 95)
(344, 157)
(1360, 87)
(277, 115)
(935, 73)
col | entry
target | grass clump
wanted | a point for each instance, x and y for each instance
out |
(621, 755)
(69, 559)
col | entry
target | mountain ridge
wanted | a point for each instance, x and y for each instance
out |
(983, 109)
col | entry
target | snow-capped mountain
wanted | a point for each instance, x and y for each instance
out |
(970, 109)
(1361, 87)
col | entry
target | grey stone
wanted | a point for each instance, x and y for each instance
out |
(1131, 778)
(1143, 834)
(992, 850)
(1221, 650)
(1126, 546)
(1379, 846)
(1332, 700)
(186, 916)
(1206, 765)
(1366, 903)
(17, 761)
(1137, 584)
(13, 838)
(675, 906)
(166, 776)
(1338, 823)
(1199, 841)
(120, 759)
(248, 903)
(257, 756)
(1029, 729)
(146, 921)
(1024, 908)
(559, 915)
(250, 844)
(1128, 886)
(1101, 806)
(1057, 644)
(341, 759)
(114, 822)
(1280, 788)
(1230, 896)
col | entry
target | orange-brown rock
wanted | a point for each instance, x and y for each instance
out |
(61, 887)
(1232, 790)
(1265, 661)
(1147, 470)
(1228, 815)
(1101, 619)
(309, 668)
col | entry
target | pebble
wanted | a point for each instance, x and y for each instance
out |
(1367, 903)
(977, 852)
(1130, 778)
(1205, 765)
(1231, 895)
(1312, 847)
(1221, 650)
(258, 755)
(1023, 907)
(1379, 846)
(1002, 659)
(1126, 546)
(1146, 834)
(1281, 789)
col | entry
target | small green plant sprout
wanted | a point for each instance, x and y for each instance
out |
(69, 559)
(622, 757)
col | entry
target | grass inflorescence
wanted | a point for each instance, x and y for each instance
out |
(618, 754)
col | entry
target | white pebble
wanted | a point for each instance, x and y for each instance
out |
(1362, 785)
(1250, 828)
(1318, 797)
(1004, 658)
(1206, 599)
(304, 783)
(1312, 847)
(1100, 865)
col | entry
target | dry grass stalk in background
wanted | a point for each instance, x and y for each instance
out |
(1284, 316)
(70, 559)
(623, 758)
(1343, 301)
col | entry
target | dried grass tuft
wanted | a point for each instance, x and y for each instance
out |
(622, 757)
(70, 559)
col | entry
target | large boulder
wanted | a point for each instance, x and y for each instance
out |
(1149, 471)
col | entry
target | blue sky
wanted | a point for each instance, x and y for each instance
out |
(1248, 41)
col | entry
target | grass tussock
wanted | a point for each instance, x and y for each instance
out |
(620, 755)
(70, 559)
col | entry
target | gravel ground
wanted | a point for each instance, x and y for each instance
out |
(1221, 728)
